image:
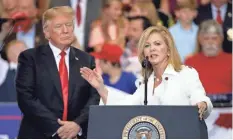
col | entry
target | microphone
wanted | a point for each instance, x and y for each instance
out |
(3, 20)
(146, 64)
(93, 66)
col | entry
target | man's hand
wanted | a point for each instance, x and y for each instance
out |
(68, 129)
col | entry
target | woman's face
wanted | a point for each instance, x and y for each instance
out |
(114, 10)
(156, 49)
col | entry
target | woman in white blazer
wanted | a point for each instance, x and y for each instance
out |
(169, 83)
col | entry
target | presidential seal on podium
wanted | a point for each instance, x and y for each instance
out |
(143, 127)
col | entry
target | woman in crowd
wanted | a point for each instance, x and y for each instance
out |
(110, 27)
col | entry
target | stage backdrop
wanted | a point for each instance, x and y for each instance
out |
(10, 117)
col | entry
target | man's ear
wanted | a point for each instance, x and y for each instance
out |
(199, 37)
(46, 32)
(36, 12)
(222, 38)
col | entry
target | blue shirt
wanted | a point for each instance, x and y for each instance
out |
(185, 40)
(29, 37)
(126, 82)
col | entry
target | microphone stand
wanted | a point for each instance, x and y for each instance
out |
(146, 80)
(8, 34)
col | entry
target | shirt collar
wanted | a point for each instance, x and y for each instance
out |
(168, 71)
(12, 66)
(56, 51)
(30, 32)
(190, 30)
(223, 7)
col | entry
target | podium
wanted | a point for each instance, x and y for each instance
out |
(130, 122)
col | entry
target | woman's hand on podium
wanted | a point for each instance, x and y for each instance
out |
(202, 106)
(95, 80)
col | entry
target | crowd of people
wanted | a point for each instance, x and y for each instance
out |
(117, 33)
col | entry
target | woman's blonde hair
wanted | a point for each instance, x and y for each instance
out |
(55, 11)
(105, 22)
(150, 10)
(174, 58)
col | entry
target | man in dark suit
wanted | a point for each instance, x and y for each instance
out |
(221, 11)
(52, 95)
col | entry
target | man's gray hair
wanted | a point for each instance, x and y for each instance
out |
(210, 26)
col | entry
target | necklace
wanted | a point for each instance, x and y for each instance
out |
(156, 83)
(157, 79)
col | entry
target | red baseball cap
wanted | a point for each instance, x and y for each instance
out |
(109, 52)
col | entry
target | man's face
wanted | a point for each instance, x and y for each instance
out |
(9, 7)
(60, 31)
(28, 7)
(135, 30)
(211, 43)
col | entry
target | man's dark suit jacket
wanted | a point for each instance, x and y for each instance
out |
(39, 93)
(205, 13)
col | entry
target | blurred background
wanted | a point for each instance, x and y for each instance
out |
(107, 26)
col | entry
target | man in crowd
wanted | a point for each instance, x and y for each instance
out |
(221, 11)
(215, 70)
(129, 60)
(29, 31)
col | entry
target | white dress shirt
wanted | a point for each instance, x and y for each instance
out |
(13, 66)
(176, 88)
(223, 10)
(56, 52)
(79, 31)
(57, 56)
